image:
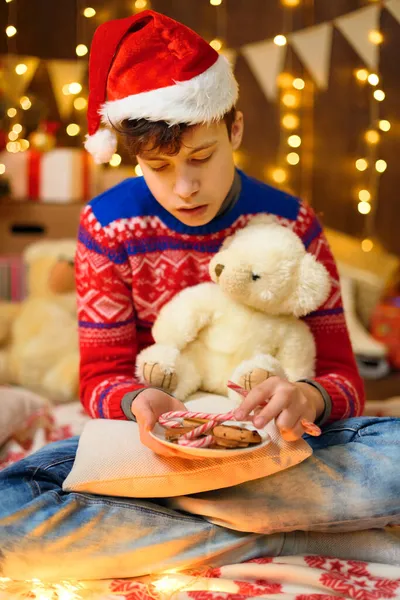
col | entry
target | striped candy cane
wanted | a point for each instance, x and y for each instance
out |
(192, 438)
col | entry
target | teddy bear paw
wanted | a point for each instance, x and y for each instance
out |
(155, 375)
(253, 378)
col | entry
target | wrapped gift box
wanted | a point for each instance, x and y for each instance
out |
(60, 176)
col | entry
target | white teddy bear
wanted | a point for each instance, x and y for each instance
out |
(244, 327)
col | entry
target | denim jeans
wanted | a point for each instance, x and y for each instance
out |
(338, 502)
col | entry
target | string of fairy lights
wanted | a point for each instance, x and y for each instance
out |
(369, 163)
(290, 101)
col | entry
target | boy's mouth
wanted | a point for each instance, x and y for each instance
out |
(196, 210)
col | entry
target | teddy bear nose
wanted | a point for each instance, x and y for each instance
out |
(219, 269)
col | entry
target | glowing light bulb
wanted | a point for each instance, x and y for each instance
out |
(367, 245)
(215, 2)
(361, 164)
(294, 141)
(89, 12)
(17, 128)
(24, 145)
(73, 129)
(80, 103)
(140, 4)
(373, 79)
(74, 88)
(290, 100)
(290, 121)
(11, 112)
(364, 195)
(372, 136)
(290, 3)
(21, 69)
(81, 50)
(115, 160)
(12, 136)
(384, 125)
(285, 80)
(13, 147)
(364, 208)
(279, 175)
(381, 165)
(2, 169)
(216, 44)
(299, 84)
(293, 158)
(138, 171)
(65, 89)
(11, 31)
(280, 40)
(375, 37)
(379, 95)
(362, 74)
(25, 103)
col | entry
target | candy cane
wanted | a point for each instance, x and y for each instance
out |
(172, 420)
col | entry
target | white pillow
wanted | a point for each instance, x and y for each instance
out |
(112, 461)
(21, 413)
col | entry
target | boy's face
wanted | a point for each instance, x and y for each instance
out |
(193, 184)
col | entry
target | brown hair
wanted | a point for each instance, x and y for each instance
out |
(158, 135)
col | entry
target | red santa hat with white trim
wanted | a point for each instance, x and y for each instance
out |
(149, 66)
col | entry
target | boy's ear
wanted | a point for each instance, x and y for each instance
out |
(237, 131)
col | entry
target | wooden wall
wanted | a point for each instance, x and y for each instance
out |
(333, 122)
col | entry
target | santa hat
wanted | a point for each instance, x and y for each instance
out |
(149, 66)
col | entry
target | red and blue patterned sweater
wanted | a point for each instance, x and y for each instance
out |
(133, 257)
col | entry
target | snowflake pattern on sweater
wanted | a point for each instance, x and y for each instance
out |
(133, 257)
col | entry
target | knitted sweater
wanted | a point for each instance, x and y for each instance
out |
(133, 256)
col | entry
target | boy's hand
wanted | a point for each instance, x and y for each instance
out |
(147, 407)
(287, 403)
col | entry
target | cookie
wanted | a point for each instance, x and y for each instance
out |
(238, 434)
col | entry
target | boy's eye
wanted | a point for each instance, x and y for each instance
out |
(202, 160)
(159, 168)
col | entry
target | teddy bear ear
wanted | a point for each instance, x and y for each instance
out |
(313, 287)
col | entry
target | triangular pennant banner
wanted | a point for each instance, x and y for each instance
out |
(230, 54)
(314, 48)
(356, 28)
(394, 7)
(18, 73)
(62, 73)
(266, 60)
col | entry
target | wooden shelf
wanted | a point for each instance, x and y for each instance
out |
(24, 222)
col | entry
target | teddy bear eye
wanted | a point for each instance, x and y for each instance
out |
(255, 277)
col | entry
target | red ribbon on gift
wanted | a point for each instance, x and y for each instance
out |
(34, 160)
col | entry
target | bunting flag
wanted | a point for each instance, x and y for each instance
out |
(62, 73)
(266, 61)
(16, 80)
(393, 7)
(314, 48)
(356, 27)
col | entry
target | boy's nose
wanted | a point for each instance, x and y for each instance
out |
(219, 269)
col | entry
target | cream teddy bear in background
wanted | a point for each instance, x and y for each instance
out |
(246, 325)
(39, 336)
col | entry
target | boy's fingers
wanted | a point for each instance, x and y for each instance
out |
(294, 434)
(288, 418)
(259, 395)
